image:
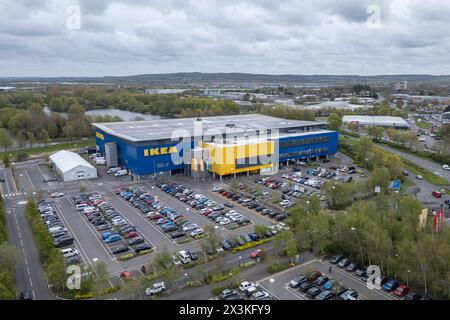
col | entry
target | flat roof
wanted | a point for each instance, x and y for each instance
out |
(251, 140)
(376, 120)
(67, 160)
(148, 130)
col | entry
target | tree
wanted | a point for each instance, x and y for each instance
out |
(234, 184)
(101, 277)
(69, 131)
(43, 137)
(10, 257)
(291, 245)
(6, 160)
(334, 122)
(5, 140)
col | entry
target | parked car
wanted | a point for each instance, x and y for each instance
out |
(155, 289)
(390, 285)
(297, 281)
(401, 290)
(227, 293)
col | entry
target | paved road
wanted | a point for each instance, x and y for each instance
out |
(29, 275)
(432, 166)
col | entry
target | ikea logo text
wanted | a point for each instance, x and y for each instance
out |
(99, 135)
(159, 151)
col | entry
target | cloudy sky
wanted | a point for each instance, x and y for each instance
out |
(125, 37)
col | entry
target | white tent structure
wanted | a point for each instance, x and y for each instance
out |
(71, 166)
(379, 121)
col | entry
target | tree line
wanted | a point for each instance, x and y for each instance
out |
(10, 259)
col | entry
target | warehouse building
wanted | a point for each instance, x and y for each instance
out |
(71, 166)
(377, 121)
(223, 145)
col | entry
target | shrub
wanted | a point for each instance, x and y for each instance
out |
(126, 256)
(80, 296)
(146, 251)
(195, 283)
(217, 290)
(277, 267)
(250, 245)
(248, 264)
(21, 156)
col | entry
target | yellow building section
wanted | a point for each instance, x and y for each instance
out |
(223, 158)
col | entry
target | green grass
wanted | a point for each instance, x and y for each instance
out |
(427, 175)
(50, 148)
(423, 125)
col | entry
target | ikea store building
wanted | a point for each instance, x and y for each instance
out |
(222, 145)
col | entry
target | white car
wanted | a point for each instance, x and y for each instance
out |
(224, 221)
(57, 194)
(245, 285)
(155, 289)
(69, 252)
(260, 295)
(197, 232)
(446, 167)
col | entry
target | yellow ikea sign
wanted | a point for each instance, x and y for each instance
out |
(159, 151)
(99, 135)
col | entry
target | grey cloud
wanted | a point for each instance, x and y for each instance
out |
(120, 37)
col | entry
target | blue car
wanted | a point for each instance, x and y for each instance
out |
(253, 236)
(106, 235)
(391, 285)
(113, 238)
(168, 224)
(328, 285)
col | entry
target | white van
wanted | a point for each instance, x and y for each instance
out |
(184, 257)
(113, 170)
(69, 252)
(121, 173)
(100, 160)
(56, 229)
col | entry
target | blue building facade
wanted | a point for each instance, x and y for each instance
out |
(151, 157)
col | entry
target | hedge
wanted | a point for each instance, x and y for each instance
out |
(126, 256)
(248, 264)
(80, 296)
(250, 245)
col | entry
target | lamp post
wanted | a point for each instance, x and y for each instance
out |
(240, 259)
(407, 277)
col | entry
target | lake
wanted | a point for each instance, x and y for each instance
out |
(124, 115)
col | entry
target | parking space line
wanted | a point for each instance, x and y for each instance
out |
(131, 224)
(79, 246)
(29, 178)
(150, 223)
(288, 270)
(295, 293)
(89, 227)
(351, 276)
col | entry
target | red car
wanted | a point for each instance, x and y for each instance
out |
(437, 194)
(126, 275)
(256, 254)
(155, 216)
(119, 190)
(401, 290)
(131, 234)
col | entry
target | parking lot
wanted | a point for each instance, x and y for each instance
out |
(279, 287)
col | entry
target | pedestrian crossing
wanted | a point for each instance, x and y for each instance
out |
(13, 195)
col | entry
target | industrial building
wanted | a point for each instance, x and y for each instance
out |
(71, 166)
(222, 145)
(377, 121)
